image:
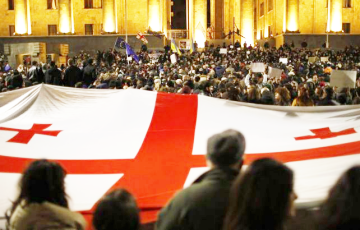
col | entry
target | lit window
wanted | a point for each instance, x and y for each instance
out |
(89, 29)
(270, 5)
(11, 30)
(347, 3)
(51, 4)
(11, 4)
(346, 27)
(89, 4)
(52, 30)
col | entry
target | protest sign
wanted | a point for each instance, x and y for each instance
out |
(274, 72)
(173, 58)
(283, 60)
(343, 78)
(258, 67)
(223, 51)
(312, 59)
(324, 59)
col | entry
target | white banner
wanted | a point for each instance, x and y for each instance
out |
(134, 139)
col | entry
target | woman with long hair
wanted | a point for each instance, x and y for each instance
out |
(262, 198)
(282, 96)
(303, 98)
(42, 202)
(341, 210)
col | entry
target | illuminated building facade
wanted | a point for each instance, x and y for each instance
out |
(254, 20)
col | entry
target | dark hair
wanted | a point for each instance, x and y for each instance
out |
(341, 210)
(34, 62)
(42, 181)
(304, 96)
(117, 210)
(52, 63)
(226, 148)
(260, 197)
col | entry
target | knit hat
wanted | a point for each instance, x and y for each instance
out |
(226, 148)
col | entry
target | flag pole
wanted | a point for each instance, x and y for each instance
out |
(126, 21)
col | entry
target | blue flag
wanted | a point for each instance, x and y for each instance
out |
(120, 43)
(131, 52)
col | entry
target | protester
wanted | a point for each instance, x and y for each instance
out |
(72, 74)
(229, 76)
(117, 210)
(53, 75)
(303, 98)
(203, 204)
(42, 202)
(341, 210)
(261, 198)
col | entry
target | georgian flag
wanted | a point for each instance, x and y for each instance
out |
(153, 144)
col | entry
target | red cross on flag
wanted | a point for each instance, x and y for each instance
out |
(153, 144)
(141, 37)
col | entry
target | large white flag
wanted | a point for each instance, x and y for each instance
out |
(153, 144)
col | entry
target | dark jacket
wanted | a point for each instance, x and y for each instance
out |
(89, 75)
(53, 76)
(17, 81)
(72, 76)
(201, 206)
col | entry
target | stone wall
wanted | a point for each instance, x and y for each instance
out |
(89, 44)
(336, 41)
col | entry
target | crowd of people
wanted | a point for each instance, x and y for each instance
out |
(223, 198)
(303, 82)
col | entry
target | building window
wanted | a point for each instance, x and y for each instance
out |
(346, 3)
(52, 30)
(261, 9)
(11, 4)
(89, 4)
(270, 5)
(346, 27)
(269, 31)
(255, 19)
(11, 30)
(51, 4)
(89, 29)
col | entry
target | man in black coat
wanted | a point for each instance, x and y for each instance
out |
(17, 80)
(203, 205)
(53, 75)
(89, 73)
(72, 74)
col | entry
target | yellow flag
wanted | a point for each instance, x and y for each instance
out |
(174, 48)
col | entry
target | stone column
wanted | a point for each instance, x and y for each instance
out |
(64, 16)
(21, 23)
(336, 15)
(292, 22)
(198, 21)
(218, 18)
(109, 16)
(154, 15)
(247, 22)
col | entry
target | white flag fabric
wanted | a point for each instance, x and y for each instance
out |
(153, 144)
